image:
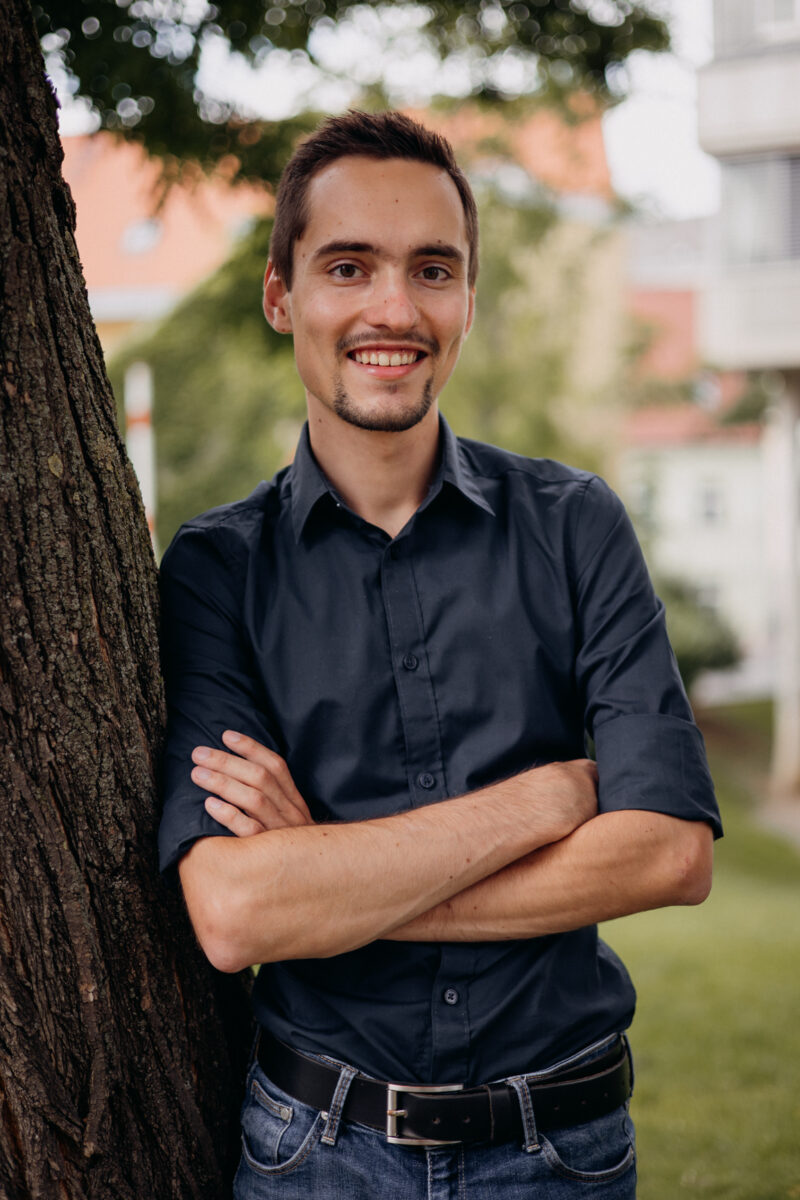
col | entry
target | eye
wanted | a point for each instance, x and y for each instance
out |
(345, 270)
(434, 273)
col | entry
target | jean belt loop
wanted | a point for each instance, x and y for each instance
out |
(531, 1137)
(333, 1117)
(629, 1052)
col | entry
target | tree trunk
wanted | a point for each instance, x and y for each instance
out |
(121, 1051)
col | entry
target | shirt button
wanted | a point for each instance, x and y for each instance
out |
(426, 781)
(451, 996)
(411, 662)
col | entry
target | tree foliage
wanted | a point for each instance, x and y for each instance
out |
(218, 413)
(701, 638)
(516, 384)
(137, 61)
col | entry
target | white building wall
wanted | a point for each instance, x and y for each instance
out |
(750, 104)
(700, 513)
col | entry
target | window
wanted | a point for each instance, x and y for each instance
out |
(747, 25)
(761, 210)
(711, 506)
(643, 502)
(707, 596)
(778, 19)
(141, 236)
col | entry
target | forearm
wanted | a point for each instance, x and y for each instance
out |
(613, 865)
(316, 890)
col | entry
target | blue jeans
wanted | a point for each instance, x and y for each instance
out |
(292, 1151)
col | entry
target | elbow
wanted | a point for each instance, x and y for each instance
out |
(215, 909)
(223, 954)
(218, 938)
(693, 856)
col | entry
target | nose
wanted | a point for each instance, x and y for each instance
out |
(391, 303)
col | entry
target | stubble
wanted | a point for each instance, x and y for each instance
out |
(389, 420)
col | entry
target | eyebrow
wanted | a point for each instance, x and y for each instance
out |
(436, 250)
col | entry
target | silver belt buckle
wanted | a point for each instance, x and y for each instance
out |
(395, 1112)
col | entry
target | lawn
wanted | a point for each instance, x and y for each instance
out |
(717, 1035)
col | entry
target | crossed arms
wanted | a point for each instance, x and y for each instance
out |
(524, 857)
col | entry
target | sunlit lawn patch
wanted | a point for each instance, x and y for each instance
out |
(717, 1035)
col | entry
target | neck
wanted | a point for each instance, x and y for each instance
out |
(383, 477)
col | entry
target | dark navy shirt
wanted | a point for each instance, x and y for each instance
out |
(510, 618)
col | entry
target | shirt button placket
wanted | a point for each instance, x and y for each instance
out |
(417, 707)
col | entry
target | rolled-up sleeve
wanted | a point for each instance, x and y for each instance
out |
(209, 675)
(650, 753)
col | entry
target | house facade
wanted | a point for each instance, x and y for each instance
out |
(749, 119)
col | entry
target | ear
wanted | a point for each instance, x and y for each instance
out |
(470, 311)
(277, 301)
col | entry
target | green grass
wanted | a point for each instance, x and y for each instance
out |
(717, 1037)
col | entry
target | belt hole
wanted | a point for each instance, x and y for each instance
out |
(437, 1120)
(467, 1120)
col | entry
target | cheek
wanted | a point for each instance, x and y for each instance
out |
(454, 325)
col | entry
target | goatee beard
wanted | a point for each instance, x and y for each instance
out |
(393, 421)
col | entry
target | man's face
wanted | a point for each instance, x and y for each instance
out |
(380, 302)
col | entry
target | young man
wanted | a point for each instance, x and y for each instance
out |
(383, 666)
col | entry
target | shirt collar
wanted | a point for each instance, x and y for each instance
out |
(309, 484)
(457, 470)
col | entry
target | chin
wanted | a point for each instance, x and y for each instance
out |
(385, 419)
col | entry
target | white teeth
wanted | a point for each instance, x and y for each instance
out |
(382, 358)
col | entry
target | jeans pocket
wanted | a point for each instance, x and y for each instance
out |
(278, 1134)
(596, 1152)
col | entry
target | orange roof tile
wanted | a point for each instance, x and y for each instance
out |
(681, 425)
(563, 156)
(113, 184)
(669, 315)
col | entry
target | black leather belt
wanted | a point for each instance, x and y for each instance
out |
(412, 1114)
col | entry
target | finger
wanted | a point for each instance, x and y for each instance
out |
(251, 750)
(270, 807)
(232, 818)
(265, 778)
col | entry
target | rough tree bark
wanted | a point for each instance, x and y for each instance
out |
(121, 1051)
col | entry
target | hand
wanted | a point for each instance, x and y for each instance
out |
(567, 792)
(253, 789)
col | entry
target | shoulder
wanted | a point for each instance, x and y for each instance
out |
(228, 534)
(493, 462)
(541, 480)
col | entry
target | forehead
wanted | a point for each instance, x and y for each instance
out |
(393, 203)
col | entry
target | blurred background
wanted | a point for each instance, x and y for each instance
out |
(637, 167)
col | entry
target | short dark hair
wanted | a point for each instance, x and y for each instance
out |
(371, 135)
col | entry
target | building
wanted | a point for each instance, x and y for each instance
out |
(749, 118)
(695, 487)
(141, 251)
(693, 481)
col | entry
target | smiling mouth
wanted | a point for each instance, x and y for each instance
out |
(387, 358)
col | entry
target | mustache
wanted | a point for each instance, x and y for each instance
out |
(346, 344)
